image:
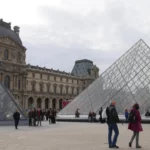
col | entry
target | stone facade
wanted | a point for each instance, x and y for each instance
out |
(34, 85)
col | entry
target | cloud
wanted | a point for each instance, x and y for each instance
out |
(66, 30)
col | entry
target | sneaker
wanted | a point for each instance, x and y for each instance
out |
(130, 144)
(115, 146)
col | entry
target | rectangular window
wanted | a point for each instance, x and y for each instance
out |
(15, 81)
(19, 84)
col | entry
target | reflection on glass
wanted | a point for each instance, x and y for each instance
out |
(8, 105)
(127, 81)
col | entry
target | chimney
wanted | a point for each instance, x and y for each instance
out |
(16, 30)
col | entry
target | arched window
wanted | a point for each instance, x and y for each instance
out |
(6, 54)
(54, 103)
(7, 82)
(30, 102)
(46, 103)
(60, 104)
(39, 102)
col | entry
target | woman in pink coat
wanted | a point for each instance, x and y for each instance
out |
(136, 126)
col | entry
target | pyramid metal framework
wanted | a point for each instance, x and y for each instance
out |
(126, 81)
(8, 105)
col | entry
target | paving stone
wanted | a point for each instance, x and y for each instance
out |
(67, 136)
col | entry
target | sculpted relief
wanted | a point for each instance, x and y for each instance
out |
(8, 41)
(8, 68)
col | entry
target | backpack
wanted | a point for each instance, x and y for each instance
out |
(132, 117)
(104, 115)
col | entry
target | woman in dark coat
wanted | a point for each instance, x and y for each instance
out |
(135, 126)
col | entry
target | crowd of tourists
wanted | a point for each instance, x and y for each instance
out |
(108, 115)
(36, 116)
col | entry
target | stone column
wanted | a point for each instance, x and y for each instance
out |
(57, 103)
(25, 102)
(13, 82)
(23, 85)
(50, 102)
(17, 81)
(43, 104)
(35, 102)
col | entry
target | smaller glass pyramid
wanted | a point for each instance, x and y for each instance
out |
(127, 81)
(8, 105)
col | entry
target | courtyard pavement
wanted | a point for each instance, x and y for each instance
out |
(67, 136)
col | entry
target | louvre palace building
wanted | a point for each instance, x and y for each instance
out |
(38, 86)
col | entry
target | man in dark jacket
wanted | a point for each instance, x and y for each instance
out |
(112, 120)
(34, 116)
(54, 116)
(16, 117)
(100, 115)
(50, 115)
(30, 117)
(39, 115)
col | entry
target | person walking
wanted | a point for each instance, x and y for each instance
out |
(16, 117)
(100, 115)
(34, 116)
(135, 125)
(50, 115)
(126, 114)
(53, 116)
(39, 116)
(30, 117)
(112, 120)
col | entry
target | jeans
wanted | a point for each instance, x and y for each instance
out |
(30, 121)
(112, 127)
(16, 123)
(135, 134)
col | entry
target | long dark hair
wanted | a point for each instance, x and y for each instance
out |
(136, 106)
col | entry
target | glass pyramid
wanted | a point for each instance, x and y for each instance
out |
(8, 105)
(126, 81)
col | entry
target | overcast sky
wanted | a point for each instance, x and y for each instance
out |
(58, 32)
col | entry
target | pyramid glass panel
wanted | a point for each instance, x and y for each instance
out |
(126, 81)
(8, 105)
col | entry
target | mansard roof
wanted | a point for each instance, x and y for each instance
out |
(6, 31)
